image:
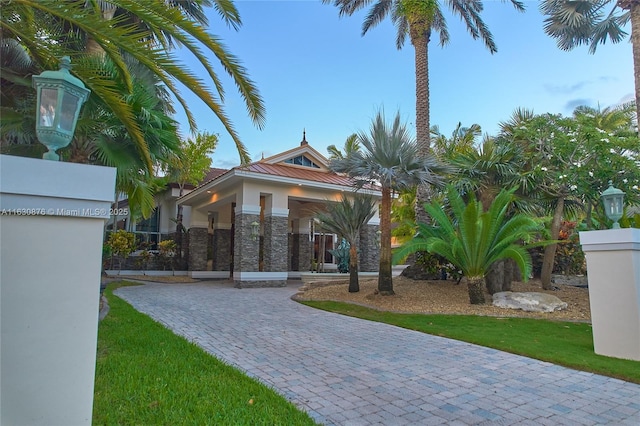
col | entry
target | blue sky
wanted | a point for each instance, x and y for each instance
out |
(316, 72)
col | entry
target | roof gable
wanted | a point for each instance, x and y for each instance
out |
(301, 156)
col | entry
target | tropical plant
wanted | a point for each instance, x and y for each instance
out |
(49, 29)
(166, 253)
(578, 22)
(569, 160)
(462, 140)
(350, 145)
(346, 218)
(389, 158)
(473, 239)
(189, 165)
(419, 19)
(403, 214)
(122, 243)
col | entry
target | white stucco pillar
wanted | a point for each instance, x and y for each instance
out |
(51, 233)
(613, 269)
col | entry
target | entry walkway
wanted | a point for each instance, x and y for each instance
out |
(347, 371)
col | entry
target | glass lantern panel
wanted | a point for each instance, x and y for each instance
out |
(69, 105)
(48, 102)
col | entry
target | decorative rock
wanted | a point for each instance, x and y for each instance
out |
(529, 301)
(573, 280)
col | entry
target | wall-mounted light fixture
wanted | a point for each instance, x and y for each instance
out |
(255, 230)
(613, 200)
(59, 98)
(378, 238)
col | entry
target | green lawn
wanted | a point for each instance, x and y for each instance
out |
(563, 343)
(146, 375)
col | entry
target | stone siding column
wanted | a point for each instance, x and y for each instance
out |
(304, 252)
(292, 258)
(276, 241)
(221, 249)
(198, 240)
(246, 249)
(369, 253)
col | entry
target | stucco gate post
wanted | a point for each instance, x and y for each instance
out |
(613, 270)
(51, 234)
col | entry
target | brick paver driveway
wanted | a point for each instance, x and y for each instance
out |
(347, 371)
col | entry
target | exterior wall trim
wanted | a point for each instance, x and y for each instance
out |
(260, 276)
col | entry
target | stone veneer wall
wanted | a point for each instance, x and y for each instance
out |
(276, 252)
(198, 239)
(292, 258)
(221, 250)
(246, 249)
(368, 250)
(304, 252)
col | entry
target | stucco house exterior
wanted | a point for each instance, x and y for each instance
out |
(254, 223)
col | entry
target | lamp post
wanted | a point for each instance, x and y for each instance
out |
(613, 201)
(60, 97)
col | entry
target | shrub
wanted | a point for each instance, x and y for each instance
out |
(122, 243)
(167, 252)
(569, 255)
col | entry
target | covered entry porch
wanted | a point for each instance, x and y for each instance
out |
(255, 223)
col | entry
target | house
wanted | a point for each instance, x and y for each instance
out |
(161, 225)
(254, 223)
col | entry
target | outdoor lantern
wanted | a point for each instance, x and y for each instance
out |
(378, 238)
(255, 230)
(60, 96)
(613, 200)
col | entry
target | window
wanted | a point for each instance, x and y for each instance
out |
(301, 160)
(148, 230)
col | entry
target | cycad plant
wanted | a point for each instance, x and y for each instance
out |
(346, 218)
(473, 239)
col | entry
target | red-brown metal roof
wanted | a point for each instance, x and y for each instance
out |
(303, 173)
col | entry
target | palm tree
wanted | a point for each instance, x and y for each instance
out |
(189, 166)
(419, 18)
(388, 157)
(577, 22)
(49, 29)
(350, 145)
(473, 239)
(462, 140)
(346, 218)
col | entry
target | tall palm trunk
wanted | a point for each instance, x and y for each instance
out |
(420, 41)
(635, 43)
(354, 285)
(92, 47)
(385, 280)
(475, 286)
(550, 250)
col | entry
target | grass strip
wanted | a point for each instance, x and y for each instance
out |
(146, 375)
(563, 343)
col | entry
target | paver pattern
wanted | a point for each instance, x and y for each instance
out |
(348, 371)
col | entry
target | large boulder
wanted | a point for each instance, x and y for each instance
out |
(529, 301)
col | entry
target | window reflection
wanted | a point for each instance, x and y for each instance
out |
(49, 98)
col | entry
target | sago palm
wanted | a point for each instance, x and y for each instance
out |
(473, 239)
(388, 157)
(346, 218)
